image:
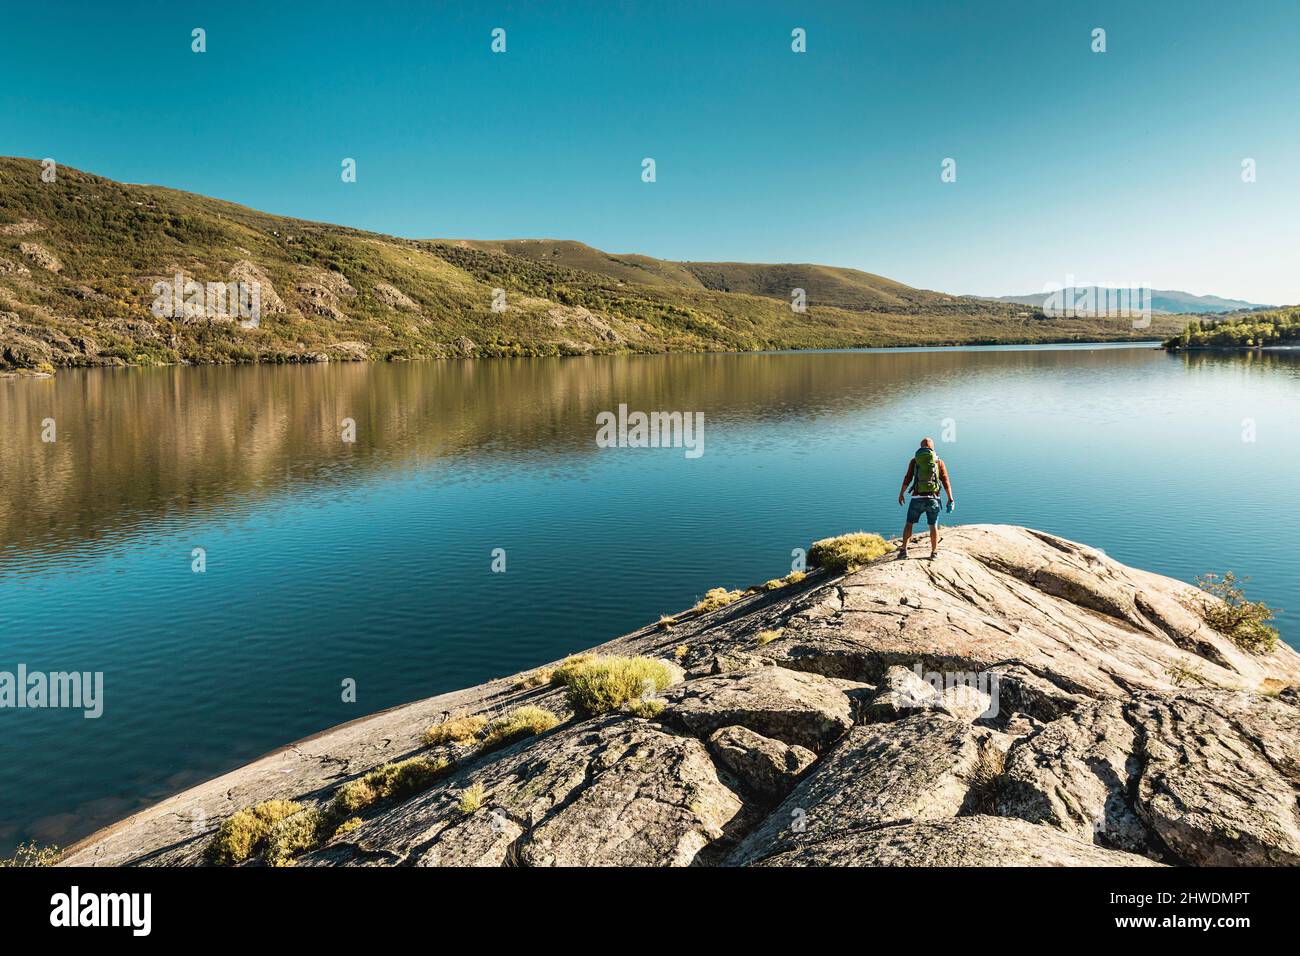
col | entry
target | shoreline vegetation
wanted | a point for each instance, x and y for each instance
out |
(88, 265)
(1274, 328)
(51, 371)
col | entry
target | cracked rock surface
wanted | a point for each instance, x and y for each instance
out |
(1110, 725)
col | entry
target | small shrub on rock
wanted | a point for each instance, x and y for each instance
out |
(244, 832)
(602, 684)
(645, 707)
(715, 598)
(458, 730)
(520, 722)
(391, 781)
(29, 854)
(471, 799)
(1243, 622)
(561, 671)
(302, 831)
(847, 552)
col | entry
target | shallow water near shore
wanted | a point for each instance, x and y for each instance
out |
(371, 560)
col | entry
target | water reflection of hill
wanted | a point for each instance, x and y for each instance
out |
(139, 446)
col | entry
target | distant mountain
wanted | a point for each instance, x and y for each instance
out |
(97, 272)
(1164, 301)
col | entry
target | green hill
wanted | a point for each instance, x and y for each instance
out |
(80, 257)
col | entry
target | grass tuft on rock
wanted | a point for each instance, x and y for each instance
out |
(794, 577)
(347, 826)
(645, 707)
(519, 723)
(390, 781)
(561, 671)
(458, 730)
(538, 678)
(847, 552)
(606, 683)
(244, 832)
(297, 833)
(767, 637)
(986, 780)
(472, 799)
(1245, 623)
(30, 854)
(716, 598)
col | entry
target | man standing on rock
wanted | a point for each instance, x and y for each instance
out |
(926, 473)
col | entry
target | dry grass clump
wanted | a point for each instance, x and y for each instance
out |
(458, 730)
(561, 671)
(606, 683)
(471, 799)
(715, 598)
(1181, 675)
(244, 832)
(647, 707)
(520, 722)
(538, 678)
(767, 637)
(847, 552)
(347, 826)
(680, 652)
(292, 835)
(985, 780)
(1243, 622)
(666, 622)
(29, 854)
(794, 577)
(390, 781)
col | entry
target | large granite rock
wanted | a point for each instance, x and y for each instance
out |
(1220, 778)
(767, 768)
(916, 769)
(611, 791)
(803, 710)
(1075, 774)
(830, 745)
(964, 841)
(1207, 777)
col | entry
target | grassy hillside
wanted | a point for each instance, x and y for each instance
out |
(79, 258)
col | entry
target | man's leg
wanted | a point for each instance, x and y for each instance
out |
(907, 536)
(934, 537)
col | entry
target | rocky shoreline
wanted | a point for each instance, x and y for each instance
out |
(1025, 700)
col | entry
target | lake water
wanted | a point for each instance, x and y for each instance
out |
(372, 559)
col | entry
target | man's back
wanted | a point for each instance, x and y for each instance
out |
(926, 476)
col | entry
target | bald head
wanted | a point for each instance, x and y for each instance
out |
(927, 442)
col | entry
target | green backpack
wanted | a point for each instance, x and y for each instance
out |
(926, 478)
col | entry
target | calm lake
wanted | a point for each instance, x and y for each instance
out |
(372, 559)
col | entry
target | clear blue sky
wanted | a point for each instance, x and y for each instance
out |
(1122, 166)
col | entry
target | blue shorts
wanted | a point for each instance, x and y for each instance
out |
(927, 506)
